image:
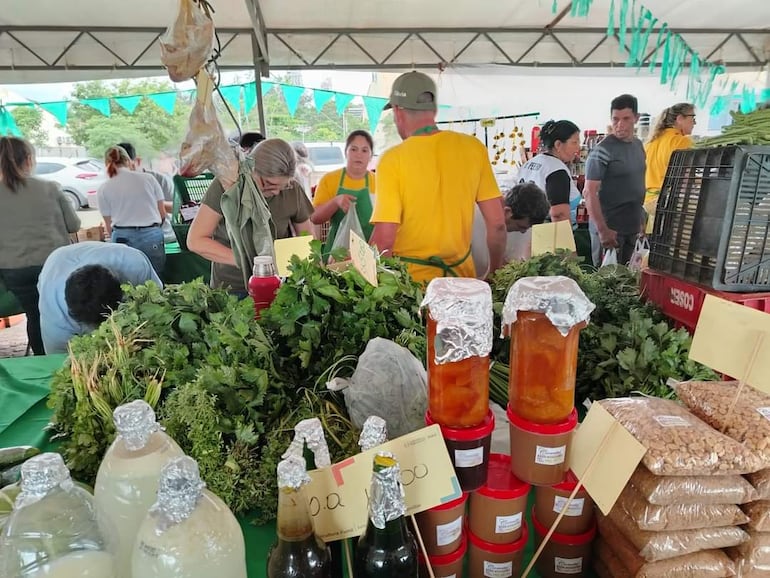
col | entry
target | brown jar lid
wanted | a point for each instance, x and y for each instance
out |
(501, 483)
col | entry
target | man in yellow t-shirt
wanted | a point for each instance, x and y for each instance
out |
(428, 187)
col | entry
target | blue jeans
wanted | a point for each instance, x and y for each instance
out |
(22, 283)
(148, 240)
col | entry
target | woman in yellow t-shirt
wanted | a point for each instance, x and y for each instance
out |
(338, 189)
(672, 132)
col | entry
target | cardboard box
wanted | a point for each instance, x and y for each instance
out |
(90, 234)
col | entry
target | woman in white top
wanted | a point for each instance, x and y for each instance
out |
(132, 206)
(549, 170)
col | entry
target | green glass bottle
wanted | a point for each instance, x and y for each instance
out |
(387, 549)
(298, 552)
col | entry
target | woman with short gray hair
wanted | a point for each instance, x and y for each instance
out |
(275, 163)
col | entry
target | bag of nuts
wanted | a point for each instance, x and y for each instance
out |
(761, 483)
(677, 442)
(619, 557)
(670, 490)
(655, 546)
(749, 421)
(752, 558)
(678, 516)
(759, 515)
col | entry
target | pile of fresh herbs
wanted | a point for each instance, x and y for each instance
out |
(227, 388)
(627, 346)
(324, 315)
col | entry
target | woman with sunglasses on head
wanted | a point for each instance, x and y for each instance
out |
(274, 168)
(672, 132)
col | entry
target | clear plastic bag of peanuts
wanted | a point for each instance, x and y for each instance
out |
(189, 40)
(655, 546)
(745, 419)
(678, 516)
(760, 481)
(673, 490)
(752, 558)
(677, 442)
(205, 147)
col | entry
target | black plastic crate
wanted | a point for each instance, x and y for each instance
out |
(713, 218)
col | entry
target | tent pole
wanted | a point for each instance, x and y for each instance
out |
(258, 85)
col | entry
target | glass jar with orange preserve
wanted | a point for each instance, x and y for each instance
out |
(544, 316)
(459, 319)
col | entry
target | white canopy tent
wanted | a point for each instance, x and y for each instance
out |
(53, 40)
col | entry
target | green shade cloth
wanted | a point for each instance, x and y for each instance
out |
(24, 386)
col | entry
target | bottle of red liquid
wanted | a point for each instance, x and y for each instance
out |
(263, 284)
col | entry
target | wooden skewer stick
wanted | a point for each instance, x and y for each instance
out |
(742, 383)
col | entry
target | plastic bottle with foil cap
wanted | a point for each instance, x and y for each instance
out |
(127, 482)
(459, 327)
(54, 530)
(189, 532)
(544, 316)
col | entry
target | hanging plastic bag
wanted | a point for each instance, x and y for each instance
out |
(389, 382)
(205, 147)
(610, 257)
(189, 41)
(640, 255)
(349, 223)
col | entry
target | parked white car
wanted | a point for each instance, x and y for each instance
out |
(79, 177)
(325, 157)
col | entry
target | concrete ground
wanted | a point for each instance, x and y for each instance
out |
(13, 339)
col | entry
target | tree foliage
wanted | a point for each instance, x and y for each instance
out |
(29, 119)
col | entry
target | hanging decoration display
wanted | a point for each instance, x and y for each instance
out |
(7, 123)
(633, 25)
(509, 148)
(234, 95)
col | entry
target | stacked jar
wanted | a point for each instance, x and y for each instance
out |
(459, 320)
(543, 317)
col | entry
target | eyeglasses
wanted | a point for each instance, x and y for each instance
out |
(690, 115)
(271, 186)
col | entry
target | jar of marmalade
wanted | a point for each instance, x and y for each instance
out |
(544, 316)
(459, 328)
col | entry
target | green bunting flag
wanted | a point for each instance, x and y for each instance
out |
(57, 109)
(374, 106)
(250, 94)
(342, 101)
(128, 103)
(100, 104)
(292, 94)
(165, 100)
(232, 95)
(8, 125)
(321, 97)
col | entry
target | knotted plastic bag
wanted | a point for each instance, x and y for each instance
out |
(389, 382)
(188, 42)
(350, 222)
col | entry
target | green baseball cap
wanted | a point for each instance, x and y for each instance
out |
(408, 89)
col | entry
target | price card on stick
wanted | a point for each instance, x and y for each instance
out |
(603, 456)
(285, 249)
(548, 237)
(734, 339)
(363, 258)
(338, 495)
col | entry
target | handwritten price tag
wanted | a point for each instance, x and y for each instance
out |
(363, 258)
(338, 495)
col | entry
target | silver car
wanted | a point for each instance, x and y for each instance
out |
(79, 177)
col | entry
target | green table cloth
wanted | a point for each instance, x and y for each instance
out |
(24, 386)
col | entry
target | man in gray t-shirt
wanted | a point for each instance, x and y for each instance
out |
(614, 188)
